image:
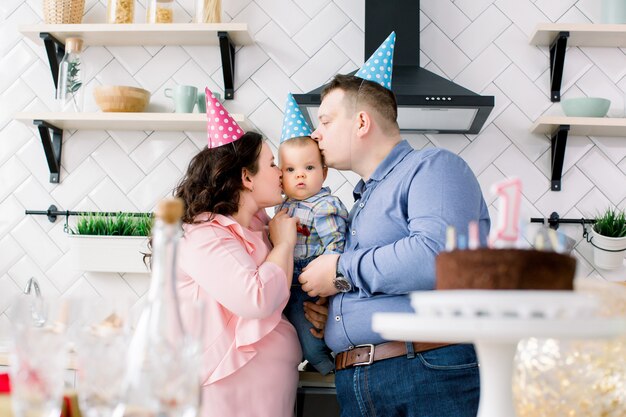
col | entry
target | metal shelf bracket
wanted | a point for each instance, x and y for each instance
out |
(227, 50)
(51, 146)
(557, 60)
(55, 50)
(558, 143)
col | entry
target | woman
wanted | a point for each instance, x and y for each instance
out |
(251, 351)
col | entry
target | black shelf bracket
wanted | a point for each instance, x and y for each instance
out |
(227, 50)
(51, 146)
(558, 144)
(557, 60)
(554, 220)
(55, 50)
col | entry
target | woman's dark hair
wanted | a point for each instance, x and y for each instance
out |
(213, 179)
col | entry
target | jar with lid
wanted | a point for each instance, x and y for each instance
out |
(120, 11)
(70, 88)
(208, 11)
(160, 11)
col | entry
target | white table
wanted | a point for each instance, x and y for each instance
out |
(495, 321)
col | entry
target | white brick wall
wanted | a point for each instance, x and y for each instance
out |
(482, 44)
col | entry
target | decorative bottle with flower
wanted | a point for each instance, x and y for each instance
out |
(70, 88)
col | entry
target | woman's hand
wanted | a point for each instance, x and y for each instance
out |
(317, 314)
(283, 229)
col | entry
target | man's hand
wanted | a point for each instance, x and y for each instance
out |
(317, 277)
(317, 314)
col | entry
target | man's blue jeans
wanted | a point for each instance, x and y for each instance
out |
(442, 382)
(315, 350)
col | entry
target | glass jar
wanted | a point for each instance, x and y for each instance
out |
(160, 11)
(208, 11)
(120, 11)
(70, 88)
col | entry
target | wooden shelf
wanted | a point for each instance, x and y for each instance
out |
(558, 36)
(51, 125)
(559, 127)
(580, 34)
(192, 122)
(581, 126)
(143, 33)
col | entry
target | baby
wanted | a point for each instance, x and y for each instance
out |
(322, 222)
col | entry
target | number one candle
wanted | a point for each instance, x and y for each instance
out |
(510, 196)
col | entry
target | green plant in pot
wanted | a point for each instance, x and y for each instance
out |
(609, 238)
(111, 243)
(122, 224)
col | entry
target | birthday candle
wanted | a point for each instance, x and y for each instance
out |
(510, 196)
(450, 238)
(554, 240)
(473, 235)
(461, 242)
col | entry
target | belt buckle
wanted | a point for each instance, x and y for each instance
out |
(371, 353)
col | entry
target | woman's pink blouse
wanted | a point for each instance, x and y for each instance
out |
(223, 264)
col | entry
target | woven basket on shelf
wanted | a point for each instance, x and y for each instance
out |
(63, 11)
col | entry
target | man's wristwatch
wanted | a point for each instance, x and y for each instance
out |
(340, 282)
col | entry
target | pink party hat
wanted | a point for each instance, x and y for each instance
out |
(221, 127)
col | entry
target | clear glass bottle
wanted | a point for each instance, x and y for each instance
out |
(120, 11)
(160, 11)
(208, 11)
(161, 377)
(70, 88)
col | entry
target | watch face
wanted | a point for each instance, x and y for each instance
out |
(341, 284)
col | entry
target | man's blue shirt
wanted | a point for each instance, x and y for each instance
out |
(396, 228)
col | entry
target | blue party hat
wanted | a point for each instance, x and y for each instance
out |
(379, 66)
(294, 123)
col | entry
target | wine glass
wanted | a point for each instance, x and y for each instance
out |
(38, 355)
(101, 341)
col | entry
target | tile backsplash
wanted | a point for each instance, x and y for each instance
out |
(299, 45)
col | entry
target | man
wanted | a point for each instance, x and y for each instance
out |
(404, 203)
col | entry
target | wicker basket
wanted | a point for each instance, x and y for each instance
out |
(63, 11)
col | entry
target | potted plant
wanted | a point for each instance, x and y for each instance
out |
(111, 243)
(609, 239)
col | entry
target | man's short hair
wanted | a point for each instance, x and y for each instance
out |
(373, 95)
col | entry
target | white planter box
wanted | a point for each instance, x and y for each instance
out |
(108, 253)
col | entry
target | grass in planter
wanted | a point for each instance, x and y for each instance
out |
(611, 223)
(122, 224)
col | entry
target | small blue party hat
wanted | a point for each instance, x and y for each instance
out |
(379, 66)
(294, 123)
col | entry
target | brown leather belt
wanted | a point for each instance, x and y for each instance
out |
(367, 354)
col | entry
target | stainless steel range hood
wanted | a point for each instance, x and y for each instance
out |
(427, 102)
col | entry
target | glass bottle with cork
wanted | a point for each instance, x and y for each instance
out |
(160, 11)
(70, 88)
(162, 362)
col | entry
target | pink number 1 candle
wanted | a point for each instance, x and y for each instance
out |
(509, 193)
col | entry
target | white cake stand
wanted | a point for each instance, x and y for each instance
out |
(495, 321)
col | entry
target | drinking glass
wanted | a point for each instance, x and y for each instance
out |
(38, 355)
(101, 341)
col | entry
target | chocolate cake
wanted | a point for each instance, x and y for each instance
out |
(504, 269)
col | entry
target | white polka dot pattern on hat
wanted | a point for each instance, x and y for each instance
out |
(216, 126)
(294, 123)
(379, 66)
